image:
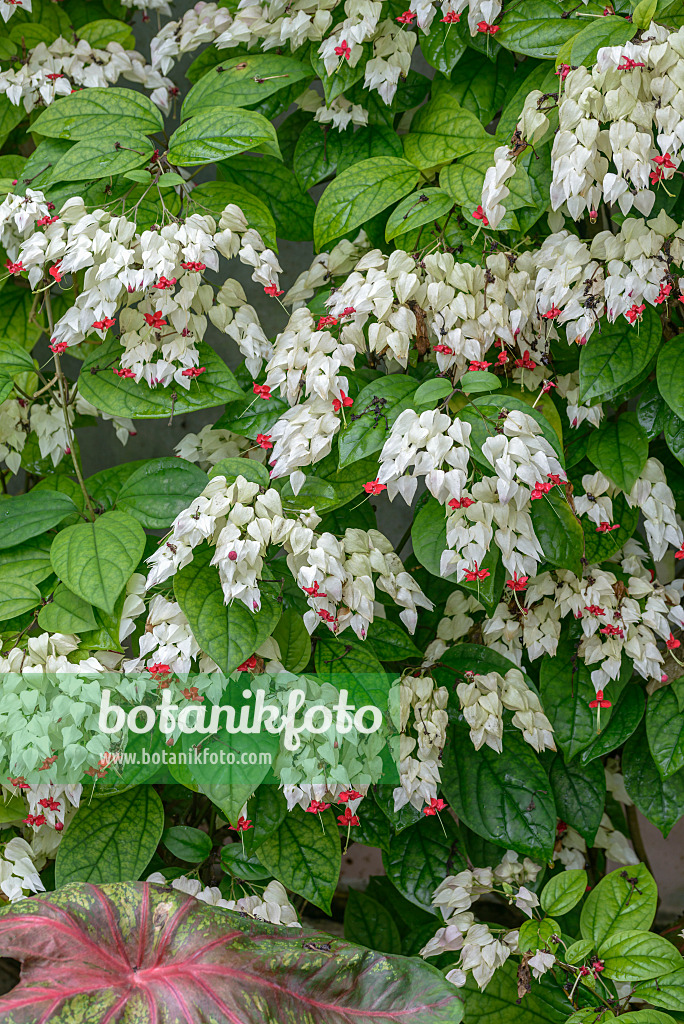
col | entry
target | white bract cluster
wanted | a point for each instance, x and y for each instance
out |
(151, 280)
(56, 69)
(272, 906)
(483, 699)
(422, 720)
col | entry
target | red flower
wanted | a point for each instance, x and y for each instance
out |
(124, 372)
(343, 50)
(192, 693)
(484, 26)
(634, 312)
(600, 701)
(451, 17)
(248, 665)
(14, 268)
(58, 347)
(629, 64)
(502, 358)
(680, 554)
(272, 290)
(48, 763)
(262, 390)
(664, 161)
(541, 488)
(104, 324)
(159, 669)
(479, 214)
(327, 321)
(348, 311)
(194, 371)
(56, 272)
(552, 314)
(264, 441)
(374, 487)
(563, 70)
(517, 584)
(463, 503)
(594, 609)
(612, 631)
(243, 824)
(444, 349)
(314, 591)
(325, 615)
(672, 644)
(19, 783)
(663, 294)
(164, 283)
(47, 219)
(49, 803)
(317, 806)
(476, 574)
(526, 362)
(194, 266)
(343, 400)
(349, 794)
(155, 320)
(606, 527)
(547, 385)
(406, 18)
(435, 806)
(478, 364)
(348, 818)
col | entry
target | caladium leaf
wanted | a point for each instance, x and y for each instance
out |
(150, 954)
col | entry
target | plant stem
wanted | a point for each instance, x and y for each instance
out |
(64, 392)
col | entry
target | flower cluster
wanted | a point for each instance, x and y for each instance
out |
(483, 699)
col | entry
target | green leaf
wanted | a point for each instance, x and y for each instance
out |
(96, 560)
(419, 208)
(227, 634)
(304, 854)
(239, 865)
(390, 642)
(443, 46)
(638, 955)
(584, 46)
(293, 641)
(106, 30)
(558, 531)
(660, 800)
(580, 795)
(242, 81)
(432, 391)
(619, 449)
(442, 131)
(188, 844)
(421, 856)
(648, 1016)
(536, 935)
(616, 905)
(119, 396)
(266, 810)
(234, 467)
(501, 1004)
(29, 562)
(66, 613)
(343, 76)
(370, 924)
(539, 27)
(26, 515)
(479, 87)
(670, 374)
(292, 209)
(362, 144)
(674, 433)
(482, 413)
(316, 154)
(16, 596)
(15, 313)
(566, 690)
(666, 991)
(563, 892)
(104, 486)
(107, 154)
(111, 839)
(478, 382)
(214, 196)
(219, 134)
(665, 731)
(359, 193)
(505, 797)
(376, 407)
(88, 113)
(618, 354)
(14, 359)
(157, 492)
